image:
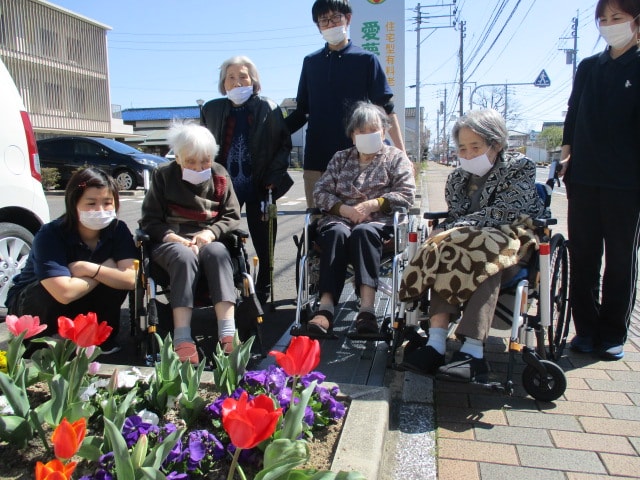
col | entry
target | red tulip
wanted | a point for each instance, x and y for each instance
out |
(84, 330)
(17, 325)
(67, 438)
(54, 470)
(301, 357)
(249, 423)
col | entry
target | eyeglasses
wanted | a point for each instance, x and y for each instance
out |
(335, 19)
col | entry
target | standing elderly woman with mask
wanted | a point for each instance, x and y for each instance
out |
(190, 205)
(358, 191)
(254, 147)
(489, 189)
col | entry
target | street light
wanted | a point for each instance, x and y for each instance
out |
(200, 102)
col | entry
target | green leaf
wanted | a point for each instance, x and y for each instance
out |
(160, 451)
(16, 393)
(294, 417)
(149, 473)
(15, 430)
(91, 448)
(285, 449)
(124, 466)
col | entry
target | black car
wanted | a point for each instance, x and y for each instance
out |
(124, 163)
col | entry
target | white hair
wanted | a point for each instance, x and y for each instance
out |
(190, 139)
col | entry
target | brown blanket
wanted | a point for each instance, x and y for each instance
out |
(456, 261)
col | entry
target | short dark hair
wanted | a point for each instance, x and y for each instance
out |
(77, 184)
(320, 7)
(632, 7)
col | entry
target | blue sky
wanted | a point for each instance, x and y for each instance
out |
(167, 52)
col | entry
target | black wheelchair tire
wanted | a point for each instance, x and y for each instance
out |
(545, 389)
(558, 330)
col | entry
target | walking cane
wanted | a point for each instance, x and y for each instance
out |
(272, 210)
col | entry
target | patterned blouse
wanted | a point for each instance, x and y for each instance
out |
(389, 176)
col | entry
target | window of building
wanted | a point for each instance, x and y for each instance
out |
(53, 96)
(48, 43)
(74, 50)
(77, 100)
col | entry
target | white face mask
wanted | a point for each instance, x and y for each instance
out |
(335, 35)
(96, 219)
(369, 143)
(479, 165)
(195, 177)
(239, 95)
(618, 35)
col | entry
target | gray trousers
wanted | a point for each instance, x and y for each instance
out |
(185, 269)
(478, 312)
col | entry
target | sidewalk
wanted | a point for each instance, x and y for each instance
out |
(591, 432)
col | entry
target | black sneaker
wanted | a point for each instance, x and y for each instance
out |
(424, 360)
(464, 368)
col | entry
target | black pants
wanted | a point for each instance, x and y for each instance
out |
(259, 231)
(36, 301)
(360, 246)
(608, 220)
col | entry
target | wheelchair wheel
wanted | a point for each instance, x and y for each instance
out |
(548, 387)
(558, 330)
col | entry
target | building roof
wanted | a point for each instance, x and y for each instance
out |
(162, 113)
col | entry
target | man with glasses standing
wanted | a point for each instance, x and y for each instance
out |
(333, 79)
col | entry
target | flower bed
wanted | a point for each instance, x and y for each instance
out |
(259, 423)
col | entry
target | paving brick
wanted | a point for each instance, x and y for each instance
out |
(587, 373)
(621, 464)
(635, 366)
(588, 476)
(588, 409)
(577, 383)
(592, 441)
(623, 375)
(514, 435)
(457, 470)
(472, 416)
(624, 412)
(560, 459)
(477, 451)
(461, 431)
(610, 426)
(493, 471)
(559, 422)
(635, 441)
(450, 399)
(611, 397)
(496, 401)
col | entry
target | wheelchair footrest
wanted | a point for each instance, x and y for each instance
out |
(381, 336)
(302, 331)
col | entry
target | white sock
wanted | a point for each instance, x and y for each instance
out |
(473, 347)
(438, 339)
(226, 328)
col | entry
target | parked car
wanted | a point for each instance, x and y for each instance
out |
(124, 163)
(23, 206)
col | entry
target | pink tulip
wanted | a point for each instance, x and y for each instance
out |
(17, 325)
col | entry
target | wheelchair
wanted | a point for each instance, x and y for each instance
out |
(534, 304)
(399, 240)
(149, 314)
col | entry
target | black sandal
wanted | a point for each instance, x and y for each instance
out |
(366, 324)
(315, 329)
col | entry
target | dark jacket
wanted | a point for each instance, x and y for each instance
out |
(269, 140)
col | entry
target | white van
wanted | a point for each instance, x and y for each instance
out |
(23, 206)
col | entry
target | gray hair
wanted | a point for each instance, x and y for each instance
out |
(487, 123)
(190, 139)
(245, 62)
(365, 114)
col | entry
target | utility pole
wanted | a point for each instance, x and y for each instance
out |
(431, 20)
(462, 36)
(418, 126)
(572, 54)
(445, 137)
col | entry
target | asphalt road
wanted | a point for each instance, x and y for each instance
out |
(291, 210)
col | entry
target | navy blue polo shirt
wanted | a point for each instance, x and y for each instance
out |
(603, 122)
(330, 83)
(54, 248)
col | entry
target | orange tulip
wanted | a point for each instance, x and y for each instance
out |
(54, 470)
(301, 357)
(17, 325)
(67, 438)
(84, 330)
(249, 423)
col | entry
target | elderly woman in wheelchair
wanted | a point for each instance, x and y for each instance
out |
(358, 192)
(190, 205)
(491, 200)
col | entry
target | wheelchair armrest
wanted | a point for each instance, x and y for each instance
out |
(544, 222)
(435, 215)
(240, 233)
(401, 210)
(141, 236)
(313, 211)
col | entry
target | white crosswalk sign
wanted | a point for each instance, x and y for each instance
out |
(542, 80)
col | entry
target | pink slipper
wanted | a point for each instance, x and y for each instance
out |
(187, 352)
(227, 344)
